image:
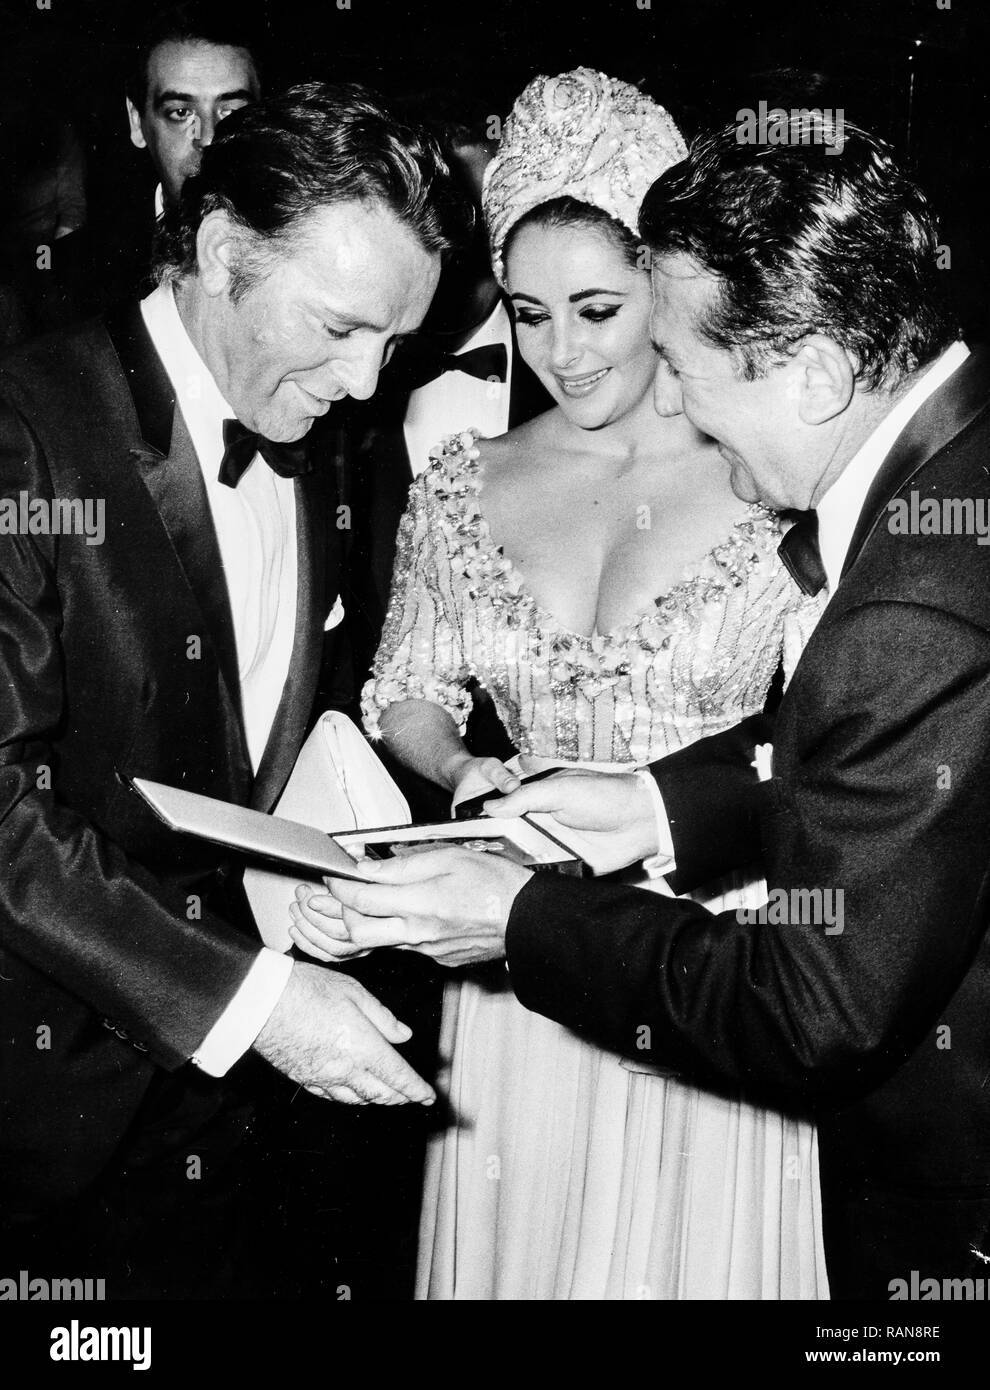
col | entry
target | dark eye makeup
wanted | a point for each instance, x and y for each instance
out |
(531, 318)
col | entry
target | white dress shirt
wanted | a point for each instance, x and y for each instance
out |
(255, 525)
(457, 401)
(838, 514)
(838, 511)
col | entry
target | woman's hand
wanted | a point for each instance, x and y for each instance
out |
(467, 777)
(317, 927)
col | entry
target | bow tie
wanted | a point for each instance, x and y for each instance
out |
(422, 363)
(241, 445)
(799, 551)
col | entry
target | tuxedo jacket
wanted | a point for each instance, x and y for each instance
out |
(120, 938)
(881, 793)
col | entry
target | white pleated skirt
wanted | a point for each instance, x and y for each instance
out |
(567, 1173)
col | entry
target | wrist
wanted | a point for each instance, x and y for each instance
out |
(453, 767)
(514, 879)
(272, 1033)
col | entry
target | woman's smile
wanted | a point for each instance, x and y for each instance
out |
(581, 385)
(583, 319)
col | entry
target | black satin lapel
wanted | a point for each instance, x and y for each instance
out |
(178, 491)
(952, 407)
(394, 473)
(316, 549)
(151, 390)
(167, 465)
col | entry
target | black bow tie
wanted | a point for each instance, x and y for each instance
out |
(422, 363)
(799, 551)
(241, 445)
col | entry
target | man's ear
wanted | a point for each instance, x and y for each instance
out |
(826, 380)
(216, 247)
(134, 121)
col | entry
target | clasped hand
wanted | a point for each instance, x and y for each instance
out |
(330, 1035)
(449, 904)
(453, 904)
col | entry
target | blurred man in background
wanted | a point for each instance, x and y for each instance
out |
(194, 69)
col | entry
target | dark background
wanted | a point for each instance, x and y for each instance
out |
(704, 61)
(696, 58)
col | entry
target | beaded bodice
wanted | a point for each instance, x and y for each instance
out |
(697, 661)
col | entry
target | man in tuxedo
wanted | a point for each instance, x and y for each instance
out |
(193, 67)
(180, 640)
(799, 323)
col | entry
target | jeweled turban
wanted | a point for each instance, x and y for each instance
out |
(579, 135)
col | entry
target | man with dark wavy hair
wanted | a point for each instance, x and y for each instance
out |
(822, 234)
(196, 65)
(799, 323)
(185, 648)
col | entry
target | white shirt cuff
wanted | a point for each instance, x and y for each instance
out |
(246, 1014)
(663, 861)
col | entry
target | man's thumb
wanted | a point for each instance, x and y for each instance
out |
(533, 762)
(541, 796)
(398, 870)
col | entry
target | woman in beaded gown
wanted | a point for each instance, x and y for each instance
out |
(595, 573)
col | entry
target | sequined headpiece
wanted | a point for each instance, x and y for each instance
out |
(579, 135)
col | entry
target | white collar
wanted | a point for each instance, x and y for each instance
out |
(196, 391)
(839, 510)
